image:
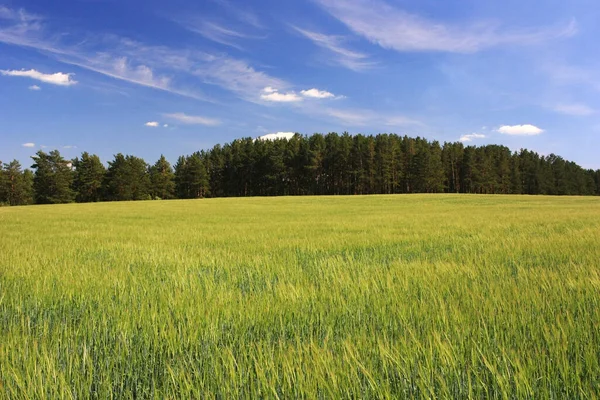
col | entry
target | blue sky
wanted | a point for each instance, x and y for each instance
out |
(155, 77)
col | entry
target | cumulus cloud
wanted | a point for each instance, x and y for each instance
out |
(34, 87)
(392, 28)
(469, 138)
(152, 124)
(270, 94)
(580, 110)
(278, 135)
(317, 94)
(29, 144)
(59, 78)
(192, 119)
(520, 130)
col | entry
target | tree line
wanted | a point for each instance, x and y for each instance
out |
(332, 164)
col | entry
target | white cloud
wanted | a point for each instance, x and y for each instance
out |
(165, 125)
(34, 87)
(124, 69)
(216, 32)
(587, 76)
(522, 130)
(152, 124)
(58, 78)
(5, 13)
(125, 60)
(192, 119)
(393, 28)
(158, 67)
(281, 97)
(270, 94)
(243, 15)
(350, 59)
(469, 138)
(278, 135)
(580, 110)
(67, 147)
(360, 117)
(317, 94)
(237, 76)
(29, 144)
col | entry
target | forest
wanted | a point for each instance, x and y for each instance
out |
(331, 164)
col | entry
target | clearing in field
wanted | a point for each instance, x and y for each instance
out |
(314, 297)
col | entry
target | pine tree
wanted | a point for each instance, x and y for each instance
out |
(3, 186)
(162, 179)
(452, 156)
(516, 181)
(53, 178)
(191, 177)
(434, 177)
(89, 177)
(15, 185)
(127, 179)
(197, 176)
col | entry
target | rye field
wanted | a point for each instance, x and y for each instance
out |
(416, 296)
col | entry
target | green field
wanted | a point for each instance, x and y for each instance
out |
(411, 296)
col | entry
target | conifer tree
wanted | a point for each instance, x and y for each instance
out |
(16, 185)
(127, 179)
(162, 179)
(89, 177)
(53, 178)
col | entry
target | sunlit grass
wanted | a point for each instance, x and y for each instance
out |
(312, 297)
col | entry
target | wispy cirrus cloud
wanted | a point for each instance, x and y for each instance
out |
(157, 67)
(362, 117)
(392, 28)
(192, 119)
(566, 74)
(239, 12)
(122, 60)
(58, 78)
(574, 109)
(337, 52)
(215, 32)
(237, 76)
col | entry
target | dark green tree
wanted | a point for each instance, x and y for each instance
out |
(53, 178)
(89, 178)
(127, 179)
(191, 177)
(16, 185)
(162, 179)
